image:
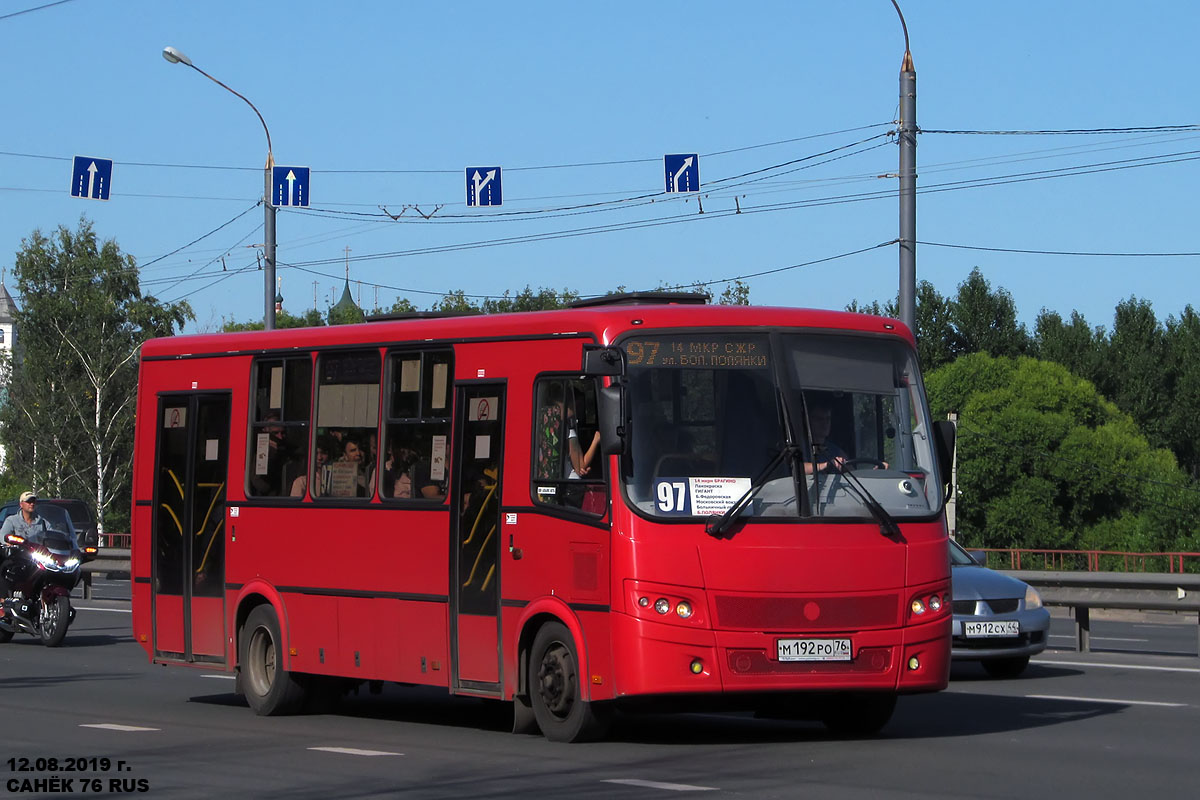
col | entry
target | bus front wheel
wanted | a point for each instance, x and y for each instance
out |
(270, 689)
(556, 691)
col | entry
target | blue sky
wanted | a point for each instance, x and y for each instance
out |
(389, 102)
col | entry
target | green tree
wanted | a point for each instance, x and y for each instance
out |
(1075, 345)
(736, 293)
(1044, 461)
(309, 319)
(1183, 416)
(985, 321)
(528, 300)
(68, 422)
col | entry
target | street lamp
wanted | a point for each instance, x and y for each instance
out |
(176, 57)
(908, 184)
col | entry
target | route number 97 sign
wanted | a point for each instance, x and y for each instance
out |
(698, 496)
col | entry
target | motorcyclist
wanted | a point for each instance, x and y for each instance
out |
(26, 523)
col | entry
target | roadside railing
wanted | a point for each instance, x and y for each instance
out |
(118, 540)
(1139, 591)
(113, 562)
(1089, 560)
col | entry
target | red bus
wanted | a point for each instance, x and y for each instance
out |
(639, 501)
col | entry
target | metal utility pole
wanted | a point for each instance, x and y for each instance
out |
(908, 184)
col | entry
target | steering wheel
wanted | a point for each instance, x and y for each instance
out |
(851, 463)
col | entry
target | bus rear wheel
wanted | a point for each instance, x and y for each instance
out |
(556, 692)
(269, 688)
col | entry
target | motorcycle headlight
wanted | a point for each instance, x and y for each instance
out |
(71, 563)
(1032, 598)
(44, 560)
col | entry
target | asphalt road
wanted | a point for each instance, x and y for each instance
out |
(1103, 724)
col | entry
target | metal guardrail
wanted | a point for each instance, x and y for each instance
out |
(1139, 591)
(1079, 591)
(111, 561)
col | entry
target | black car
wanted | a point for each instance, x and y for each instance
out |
(81, 517)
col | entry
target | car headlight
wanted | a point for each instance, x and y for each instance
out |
(1032, 598)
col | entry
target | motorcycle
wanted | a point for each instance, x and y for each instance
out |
(42, 574)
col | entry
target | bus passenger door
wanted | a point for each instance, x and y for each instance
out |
(475, 562)
(189, 527)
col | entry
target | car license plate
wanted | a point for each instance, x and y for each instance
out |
(813, 649)
(986, 628)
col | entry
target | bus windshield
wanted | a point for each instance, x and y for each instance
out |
(711, 415)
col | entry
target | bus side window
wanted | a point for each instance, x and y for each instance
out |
(416, 425)
(279, 425)
(568, 470)
(348, 419)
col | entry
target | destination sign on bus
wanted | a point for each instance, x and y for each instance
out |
(708, 352)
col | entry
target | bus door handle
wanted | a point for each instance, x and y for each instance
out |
(515, 551)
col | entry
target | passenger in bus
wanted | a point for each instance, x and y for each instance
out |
(407, 475)
(579, 461)
(271, 482)
(352, 453)
(320, 470)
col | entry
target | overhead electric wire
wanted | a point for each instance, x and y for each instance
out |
(1057, 252)
(202, 236)
(1068, 131)
(35, 8)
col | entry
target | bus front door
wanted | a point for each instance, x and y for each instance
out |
(475, 563)
(189, 527)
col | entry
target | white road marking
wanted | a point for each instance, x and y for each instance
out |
(670, 787)
(351, 751)
(221, 677)
(115, 610)
(1103, 700)
(1114, 666)
(112, 726)
(1097, 638)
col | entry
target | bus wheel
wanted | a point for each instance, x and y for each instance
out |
(858, 714)
(556, 691)
(270, 689)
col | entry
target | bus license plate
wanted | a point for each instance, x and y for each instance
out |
(813, 649)
(986, 628)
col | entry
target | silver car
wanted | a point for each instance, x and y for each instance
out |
(998, 620)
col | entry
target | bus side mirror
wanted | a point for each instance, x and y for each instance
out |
(612, 419)
(603, 362)
(943, 441)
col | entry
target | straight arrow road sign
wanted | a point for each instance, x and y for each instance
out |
(289, 186)
(91, 178)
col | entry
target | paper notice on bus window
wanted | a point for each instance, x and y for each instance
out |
(262, 449)
(212, 450)
(483, 447)
(276, 387)
(441, 382)
(175, 418)
(437, 459)
(410, 375)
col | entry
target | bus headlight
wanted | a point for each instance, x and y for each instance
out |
(662, 605)
(683, 609)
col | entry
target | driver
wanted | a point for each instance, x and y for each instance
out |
(26, 523)
(827, 456)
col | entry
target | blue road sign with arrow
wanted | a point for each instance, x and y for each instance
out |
(91, 177)
(682, 172)
(289, 186)
(483, 187)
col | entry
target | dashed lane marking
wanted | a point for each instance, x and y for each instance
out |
(352, 751)
(112, 726)
(670, 787)
(1114, 666)
(1104, 700)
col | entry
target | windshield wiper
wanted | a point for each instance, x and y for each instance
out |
(718, 526)
(887, 523)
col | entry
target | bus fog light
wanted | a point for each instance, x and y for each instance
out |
(697, 666)
(662, 605)
(918, 607)
(684, 609)
(935, 603)
(914, 663)
(643, 601)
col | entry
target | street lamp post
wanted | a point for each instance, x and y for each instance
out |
(908, 184)
(176, 57)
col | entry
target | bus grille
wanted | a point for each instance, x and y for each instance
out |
(807, 613)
